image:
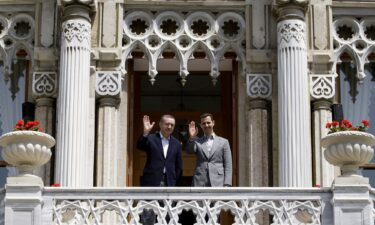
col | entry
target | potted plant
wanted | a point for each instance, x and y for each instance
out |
(26, 147)
(347, 146)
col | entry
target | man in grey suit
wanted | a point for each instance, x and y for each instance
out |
(214, 158)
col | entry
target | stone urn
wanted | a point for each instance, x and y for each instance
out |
(348, 150)
(26, 150)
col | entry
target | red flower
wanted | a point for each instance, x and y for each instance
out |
(365, 123)
(345, 122)
(328, 125)
(335, 123)
(20, 123)
(55, 185)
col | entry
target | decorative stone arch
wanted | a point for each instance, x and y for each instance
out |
(214, 34)
(16, 33)
(355, 37)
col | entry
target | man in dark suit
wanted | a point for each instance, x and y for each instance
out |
(164, 158)
(163, 166)
(214, 158)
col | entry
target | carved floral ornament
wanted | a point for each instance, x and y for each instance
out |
(184, 34)
(322, 85)
(259, 85)
(44, 84)
(356, 38)
(76, 33)
(291, 33)
(16, 34)
(108, 83)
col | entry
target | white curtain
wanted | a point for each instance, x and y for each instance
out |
(10, 109)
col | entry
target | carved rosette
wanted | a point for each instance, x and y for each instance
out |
(259, 85)
(108, 83)
(44, 84)
(291, 33)
(322, 86)
(76, 33)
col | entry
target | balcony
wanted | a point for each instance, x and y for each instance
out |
(33, 204)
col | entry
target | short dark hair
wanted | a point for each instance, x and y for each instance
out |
(204, 115)
(166, 116)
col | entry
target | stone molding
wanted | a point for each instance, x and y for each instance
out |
(287, 9)
(259, 85)
(322, 86)
(108, 83)
(322, 104)
(259, 104)
(44, 84)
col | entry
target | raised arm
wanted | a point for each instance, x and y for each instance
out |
(147, 127)
(191, 146)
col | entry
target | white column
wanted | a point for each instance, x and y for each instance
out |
(295, 169)
(73, 99)
(108, 155)
(324, 172)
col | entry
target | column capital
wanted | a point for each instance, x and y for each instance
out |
(290, 9)
(78, 8)
(109, 101)
(259, 104)
(322, 104)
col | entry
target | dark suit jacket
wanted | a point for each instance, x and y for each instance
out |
(153, 171)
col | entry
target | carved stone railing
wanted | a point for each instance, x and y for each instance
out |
(125, 206)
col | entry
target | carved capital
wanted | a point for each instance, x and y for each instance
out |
(76, 33)
(108, 83)
(291, 33)
(44, 84)
(259, 85)
(286, 9)
(78, 8)
(322, 86)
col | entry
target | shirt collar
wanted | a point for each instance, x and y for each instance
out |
(162, 137)
(212, 135)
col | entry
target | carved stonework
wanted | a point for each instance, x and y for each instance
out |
(353, 40)
(108, 83)
(76, 32)
(184, 34)
(322, 85)
(44, 84)
(291, 32)
(16, 40)
(292, 2)
(259, 85)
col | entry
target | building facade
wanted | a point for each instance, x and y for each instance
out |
(272, 72)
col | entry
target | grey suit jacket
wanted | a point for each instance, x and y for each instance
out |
(214, 167)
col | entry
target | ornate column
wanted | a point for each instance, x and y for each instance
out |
(72, 166)
(109, 155)
(295, 169)
(322, 89)
(259, 89)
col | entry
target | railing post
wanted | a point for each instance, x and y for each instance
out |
(352, 204)
(23, 201)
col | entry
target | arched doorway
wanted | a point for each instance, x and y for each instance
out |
(185, 102)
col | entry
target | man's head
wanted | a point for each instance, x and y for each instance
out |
(166, 124)
(207, 123)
